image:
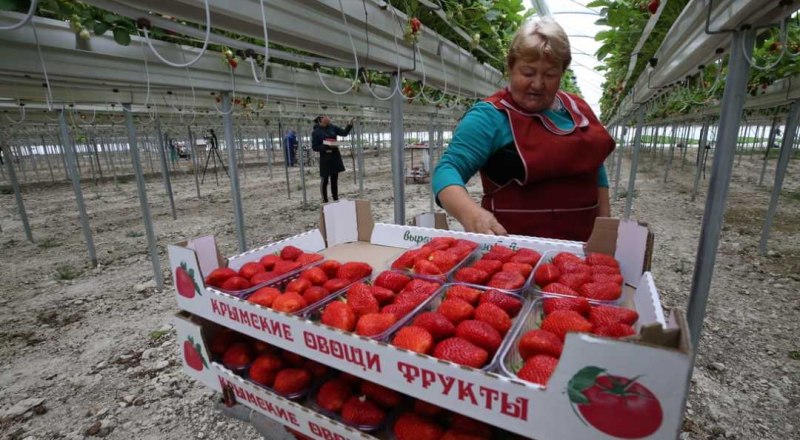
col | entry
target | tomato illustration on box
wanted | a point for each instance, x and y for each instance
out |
(193, 354)
(184, 281)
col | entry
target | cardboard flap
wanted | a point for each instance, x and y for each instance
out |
(647, 301)
(207, 253)
(435, 220)
(364, 219)
(675, 336)
(346, 221)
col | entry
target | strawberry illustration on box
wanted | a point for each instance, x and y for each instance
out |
(184, 281)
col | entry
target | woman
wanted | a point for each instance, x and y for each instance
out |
(330, 159)
(539, 150)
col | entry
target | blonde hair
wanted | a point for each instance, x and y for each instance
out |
(538, 39)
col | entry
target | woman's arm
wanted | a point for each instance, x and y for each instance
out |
(603, 202)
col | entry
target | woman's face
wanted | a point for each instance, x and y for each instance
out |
(534, 84)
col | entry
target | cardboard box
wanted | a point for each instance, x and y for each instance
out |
(661, 363)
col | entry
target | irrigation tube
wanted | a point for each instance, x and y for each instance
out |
(238, 216)
(140, 184)
(20, 205)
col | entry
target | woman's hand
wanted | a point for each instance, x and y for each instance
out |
(457, 202)
(482, 221)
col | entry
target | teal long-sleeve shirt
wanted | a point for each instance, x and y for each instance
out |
(481, 133)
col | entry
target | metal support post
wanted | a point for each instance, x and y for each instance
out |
(637, 143)
(430, 162)
(770, 142)
(238, 216)
(302, 164)
(268, 147)
(17, 194)
(701, 152)
(164, 167)
(671, 152)
(360, 140)
(398, 166)
(285, 157)
(195, 162)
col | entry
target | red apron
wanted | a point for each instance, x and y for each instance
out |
(558, 196)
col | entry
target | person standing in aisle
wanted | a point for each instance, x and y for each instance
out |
(330, 159)
(539, 150)
(290, 148)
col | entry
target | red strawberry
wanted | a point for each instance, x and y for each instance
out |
(462, 352)
(265, 368)
(421, 287)
(577, 304)
(467, 244)
(286, 266)
(616, 330)
(561, 322)
(605, 315)
(335, 284)
(354, 271)
(489, 266)
(264, 296)
(494, 316)
(605, 270)
(546, 274)
(540, 341)
(414, 338)
(293, 359)
(234, 284)
(298, 285)
(468, 294)
(261, 347)
(330, 267)
(416, 24)
(359, 297)
(507, 302)
(424, 408)
(652, 6)
(291, 381)
(442, 242)
(527, 256)
(222, 340)
(601, 291)
(381, 395)
(481, 334)
(410, 426)
(238, 355)
(360, 411)
(573, 267)
(399, 310)
(268, 261)
(219, 276)
(262, 277)
(405, 260)
(456, 310)
(606, 278)
(333, 394)
(249, 269)
(574, 280)
(315, 369)
(461, 250)
(499, 252)
(315, 275)
(523, 269)
(564, 257)
(507, 281)
(463, 424)
(538, 369)
(394, 281)
(349, 378)
(601, 260)
(289, 302)
(425, 267)
(437, 325)
(314, 294)
(373, 324)
(560, 289)
(340, 315)
(382, 294)
(444, 260)
(307, 258)
(290, 253)
(471, 275)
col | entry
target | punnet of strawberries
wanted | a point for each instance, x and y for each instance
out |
(436, 258)
(467, 326)
(356, 402)
(596, 277)
(425, 421)
(541, 348)
(500, 268)
(256, 273)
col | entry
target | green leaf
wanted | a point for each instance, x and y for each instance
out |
(112, 18)
(15, 5)
(582, 380)
(576, 396)
(100, 27)
(598, 4)
(122, 37)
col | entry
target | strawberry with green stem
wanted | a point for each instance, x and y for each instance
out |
(184, 281)
(192, 354)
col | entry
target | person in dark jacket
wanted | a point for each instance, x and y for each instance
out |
(330, 159)
(290, 148)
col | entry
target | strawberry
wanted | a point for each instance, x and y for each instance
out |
(265, 368)
(354, 271)
(507, 302)
(264, 296)
(291, 381)
(360, 411)
(307, 258)
(606, 278)
(456, 310)
(425, 267)
(481, 334)
(546, 274)
(314, 294)
(601, 291)
(268, 261)
(399, 310)
(349, 378)
(421, 287)
(573, 267)
(527, 256)
(523, 269)
(560, 289)
(262, 277)
(335, 284)
(286, 266)
(446, 242)
(463, 242)
(238, 355)
(414, 338)
(444, 260)
(410, 298)
(382, 294)
(596, 259)
(373, 324)
(537, 369)
(605, 315)
(561, 322)
(333, 394)
(298, 285)
(315, 369)
(652, 6)
(605, 270)
(219, 276)
(290, 253)
(574, 280)
(330, 267)
(540, 341)
(461, 250)
(338, 314)
(564, 257)
(222, 340)
(234, 284)
(249, 269)
(471, 275)
(506, 281)
(359, 297)
(315, 275)
(489, 266)
(494, 316)
(437, 325)
(289, 302)
(499, 252)
(616, 330)
(424, 408)
(261, 347)
(415, 24)
(577, 304)
(464, 424)
(461, 352)
(293, 359)
(410, 426)
(381, 395)
(405, 260)
(468, 294)
(394, 281)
